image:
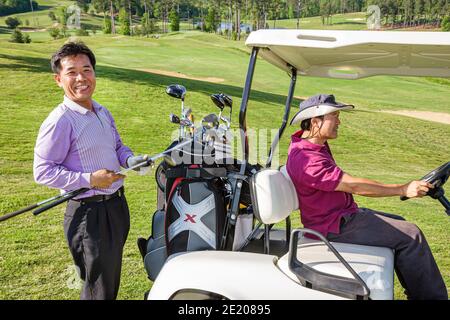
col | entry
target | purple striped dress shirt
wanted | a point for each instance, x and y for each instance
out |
(72, 143)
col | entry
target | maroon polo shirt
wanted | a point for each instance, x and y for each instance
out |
(315, 175)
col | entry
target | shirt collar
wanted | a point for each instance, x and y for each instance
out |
(305, 144)
(76, 107)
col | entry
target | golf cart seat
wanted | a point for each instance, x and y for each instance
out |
(274, 198)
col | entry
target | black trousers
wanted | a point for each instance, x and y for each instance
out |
(414, 264)
(96, 233)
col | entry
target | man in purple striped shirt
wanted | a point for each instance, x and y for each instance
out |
(78, 146)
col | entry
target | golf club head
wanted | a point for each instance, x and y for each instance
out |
(186, 123)
(227, 100)
(176, 91)
(218, 100)
(210, 121)
(174, 118)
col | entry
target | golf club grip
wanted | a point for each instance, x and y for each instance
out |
(15, 213)
(68, 196)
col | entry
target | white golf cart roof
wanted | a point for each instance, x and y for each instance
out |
(355, 54)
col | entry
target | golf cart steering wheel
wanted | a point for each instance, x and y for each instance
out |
(438, 177)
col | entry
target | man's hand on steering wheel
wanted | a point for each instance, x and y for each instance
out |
(416, 189)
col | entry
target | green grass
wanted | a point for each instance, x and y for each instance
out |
(39, 18)
(34, 257)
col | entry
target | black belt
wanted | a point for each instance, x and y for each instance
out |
(102, 197)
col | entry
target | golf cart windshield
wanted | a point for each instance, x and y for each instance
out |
(355, 54)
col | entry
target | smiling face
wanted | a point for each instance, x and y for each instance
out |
(77, 78)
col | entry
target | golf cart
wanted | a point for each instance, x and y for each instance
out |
(280, 264)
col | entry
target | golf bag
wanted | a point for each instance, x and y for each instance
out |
(192, 219)
(195, 215)
(153, 250)
(192, 214)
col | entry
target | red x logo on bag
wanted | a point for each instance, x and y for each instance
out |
(190, 218)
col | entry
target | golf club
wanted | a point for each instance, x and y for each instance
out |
(179, 92)
(56, 200)
(221, 100)
(210, 121)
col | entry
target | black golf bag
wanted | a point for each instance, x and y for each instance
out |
(193, 215)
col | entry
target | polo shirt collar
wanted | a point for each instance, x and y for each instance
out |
(76, 107)
(305, 144)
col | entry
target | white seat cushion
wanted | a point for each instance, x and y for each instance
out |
(273, 195)
(375, 265)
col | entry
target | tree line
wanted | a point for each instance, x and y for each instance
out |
(413, 13)
(210, 14)
(8, 7)
(145, 17)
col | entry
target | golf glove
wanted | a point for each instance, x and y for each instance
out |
(134, 160)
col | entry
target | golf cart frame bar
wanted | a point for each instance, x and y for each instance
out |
(347, 287)
(287, 110)
(244, 104)
(244, 137)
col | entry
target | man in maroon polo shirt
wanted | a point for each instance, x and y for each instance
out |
(327, 206)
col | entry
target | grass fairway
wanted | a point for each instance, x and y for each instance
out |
(34, 259)
(39, 18)
(348, 21)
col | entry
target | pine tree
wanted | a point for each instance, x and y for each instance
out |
(124, 22)
(211, 20)
(106, 25)
(174, 20)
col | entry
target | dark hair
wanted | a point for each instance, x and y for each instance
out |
(71, 49)
(306, 124)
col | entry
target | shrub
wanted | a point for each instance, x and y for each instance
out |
(445, 24)
(63, 15)
(124, 22)
(54, 33)
(51, 15)
(13, 22)
(82, 32)
(211, 20)
(17, 36)
(26, 38)
(137, 30)
(148, 25)
(174, 20)
(63, 31)
(107, 27)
